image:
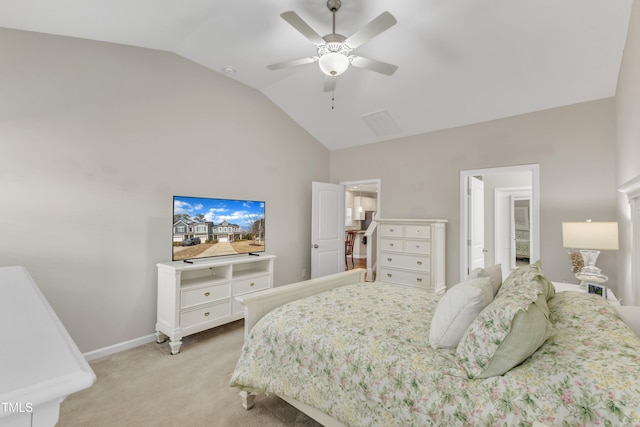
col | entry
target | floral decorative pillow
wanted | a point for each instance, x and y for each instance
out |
(530, 275)
(506, 332)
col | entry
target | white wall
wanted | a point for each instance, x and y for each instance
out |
(96, 139)
(573, 145)
(628, 142)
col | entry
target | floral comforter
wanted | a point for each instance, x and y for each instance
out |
(361, 354)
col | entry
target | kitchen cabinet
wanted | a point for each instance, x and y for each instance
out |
(361, 204)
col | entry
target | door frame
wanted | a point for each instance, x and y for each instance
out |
(534, 169)
(632, 190)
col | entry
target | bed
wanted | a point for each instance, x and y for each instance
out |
(350, 353)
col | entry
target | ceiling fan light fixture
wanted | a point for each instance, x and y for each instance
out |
(333, 63)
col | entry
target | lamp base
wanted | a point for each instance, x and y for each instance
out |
(591, 275)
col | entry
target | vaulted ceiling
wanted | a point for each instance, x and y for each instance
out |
(459, 62)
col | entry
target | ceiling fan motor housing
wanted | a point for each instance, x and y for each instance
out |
(334, 55)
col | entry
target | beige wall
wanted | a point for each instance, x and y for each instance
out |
(96, 138)
(574, 146)
(628, 139)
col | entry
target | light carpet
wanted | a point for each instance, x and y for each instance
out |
(147, 386)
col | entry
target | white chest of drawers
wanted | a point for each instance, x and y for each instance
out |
(411, 252)
(199, 296)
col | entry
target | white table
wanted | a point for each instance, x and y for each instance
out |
(562, 287)
(39, 362)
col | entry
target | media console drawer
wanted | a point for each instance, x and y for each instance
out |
(200, 295)
(209, 313)
(251, 285)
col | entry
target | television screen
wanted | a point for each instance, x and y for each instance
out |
(209, 227)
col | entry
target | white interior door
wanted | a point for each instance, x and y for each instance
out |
(476, 223)
(327, 229)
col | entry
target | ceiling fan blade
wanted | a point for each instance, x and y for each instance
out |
(298, 23)
(291, 63)
(329, 83)
(383, 22)
(373, 65)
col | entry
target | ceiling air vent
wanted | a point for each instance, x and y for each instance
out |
(381, 123)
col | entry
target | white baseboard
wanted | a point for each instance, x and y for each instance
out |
(117, 348)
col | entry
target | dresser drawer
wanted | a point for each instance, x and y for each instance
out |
(422, 280)
(205, 314)
(390, 230)
(417, 231)
(422, 247)
(200, 295)
(391, 245)
(411, 262)
(250, 285)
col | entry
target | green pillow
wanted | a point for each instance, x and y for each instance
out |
(506, 332)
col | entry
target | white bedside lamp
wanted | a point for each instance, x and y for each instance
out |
(592, 237)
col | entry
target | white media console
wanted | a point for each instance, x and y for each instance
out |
(193, 297)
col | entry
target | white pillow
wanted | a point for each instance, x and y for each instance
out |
(495, 272)
(457, 308)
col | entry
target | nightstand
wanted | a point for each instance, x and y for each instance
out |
(562, 287)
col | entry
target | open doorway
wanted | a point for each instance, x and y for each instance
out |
(500, 238)
(333, 214)
(362, 206)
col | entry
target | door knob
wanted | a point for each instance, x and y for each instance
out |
(315, 246)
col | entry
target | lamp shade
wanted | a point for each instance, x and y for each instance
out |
(590, 235)
(333, 63)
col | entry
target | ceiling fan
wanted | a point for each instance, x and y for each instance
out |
(334, 50)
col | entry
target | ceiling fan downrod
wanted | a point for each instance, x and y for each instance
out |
(334, 6)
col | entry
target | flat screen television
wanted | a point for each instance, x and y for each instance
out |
(206, 227)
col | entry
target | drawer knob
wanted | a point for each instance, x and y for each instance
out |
(419, 279)
(392, 230)
(206, 314)
(419, 262)
(389, 274)
(389, 259)
(206, 294)
(251, 284)
(390, 244)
